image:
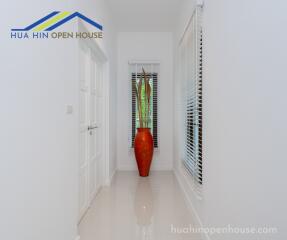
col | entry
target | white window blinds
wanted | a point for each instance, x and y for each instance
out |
(152, 72)
(191, 77)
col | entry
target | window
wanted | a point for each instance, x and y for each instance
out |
(136, 74)
(191, 77)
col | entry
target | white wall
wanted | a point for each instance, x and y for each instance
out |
(39, 144)
(145, 46)
(38, 173)
(244, 117)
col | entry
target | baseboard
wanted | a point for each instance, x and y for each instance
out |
(153, 168)
(112, 177)
(181, 180)
(109, 179)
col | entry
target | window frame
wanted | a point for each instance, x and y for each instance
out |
(191, 83)
(135, 70)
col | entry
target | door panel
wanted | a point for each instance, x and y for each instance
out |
(98, 119)
(92, 132)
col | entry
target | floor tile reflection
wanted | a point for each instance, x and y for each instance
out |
(136, 208)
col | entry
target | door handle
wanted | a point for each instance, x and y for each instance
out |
(92, 127)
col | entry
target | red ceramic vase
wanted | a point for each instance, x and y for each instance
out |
(143, 150)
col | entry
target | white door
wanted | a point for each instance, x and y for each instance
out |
(91, 134)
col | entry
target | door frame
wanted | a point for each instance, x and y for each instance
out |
(95, 48)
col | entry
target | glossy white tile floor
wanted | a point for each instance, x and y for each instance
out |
(135, 208)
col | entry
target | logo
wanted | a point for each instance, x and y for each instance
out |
(44, 27)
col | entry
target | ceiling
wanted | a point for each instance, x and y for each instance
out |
(145, 15)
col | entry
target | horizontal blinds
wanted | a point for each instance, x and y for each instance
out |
(151, 73)
(155, 106)
(191, 73)
(134, 105)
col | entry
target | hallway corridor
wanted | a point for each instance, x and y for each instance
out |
(135, 208)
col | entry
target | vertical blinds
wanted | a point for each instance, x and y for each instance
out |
(135, 74)
(191, 76)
